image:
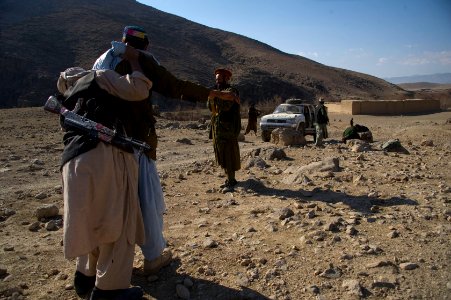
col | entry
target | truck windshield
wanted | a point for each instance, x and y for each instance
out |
(284, 108)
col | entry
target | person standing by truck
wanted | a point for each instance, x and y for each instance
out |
(253, 114)
(321, 122)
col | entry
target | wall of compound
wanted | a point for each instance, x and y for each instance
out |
(384, 107)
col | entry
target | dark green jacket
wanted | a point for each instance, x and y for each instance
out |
(350, 133)
(321, 115)
(226, 122)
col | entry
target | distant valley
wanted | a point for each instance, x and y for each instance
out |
(441, 78)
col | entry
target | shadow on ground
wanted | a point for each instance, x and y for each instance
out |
(164, 287)
(363, 204)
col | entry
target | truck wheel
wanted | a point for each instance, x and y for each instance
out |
(266, 135)
(301, 128)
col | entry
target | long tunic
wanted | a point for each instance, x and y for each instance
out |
(100, 186)
(152, 206)
(225, 129)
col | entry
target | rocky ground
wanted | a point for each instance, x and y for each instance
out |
(339, 222)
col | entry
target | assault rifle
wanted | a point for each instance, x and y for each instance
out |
(93, 129)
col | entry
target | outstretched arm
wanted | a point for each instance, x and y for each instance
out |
(224, 95)
(170, 86)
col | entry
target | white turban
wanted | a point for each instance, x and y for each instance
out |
(69, 77)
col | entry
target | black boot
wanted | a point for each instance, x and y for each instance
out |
(232, 182)
(83, 284)
(133, 293)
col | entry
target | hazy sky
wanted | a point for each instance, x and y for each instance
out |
(384, 38)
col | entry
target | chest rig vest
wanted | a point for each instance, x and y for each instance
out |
(130, 118)
(89, 100)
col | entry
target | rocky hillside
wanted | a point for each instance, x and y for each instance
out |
(42, 38)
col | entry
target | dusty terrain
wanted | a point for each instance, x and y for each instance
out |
(378, 227)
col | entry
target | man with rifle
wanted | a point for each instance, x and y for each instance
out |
(91, 128)
(102, 215)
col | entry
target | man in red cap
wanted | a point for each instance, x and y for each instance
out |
(225, 128)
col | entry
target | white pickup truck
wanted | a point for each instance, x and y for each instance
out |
(294, 113)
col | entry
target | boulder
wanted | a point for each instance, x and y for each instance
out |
(287, 137)
(295, 174)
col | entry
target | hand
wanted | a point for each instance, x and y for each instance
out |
(229, 96)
